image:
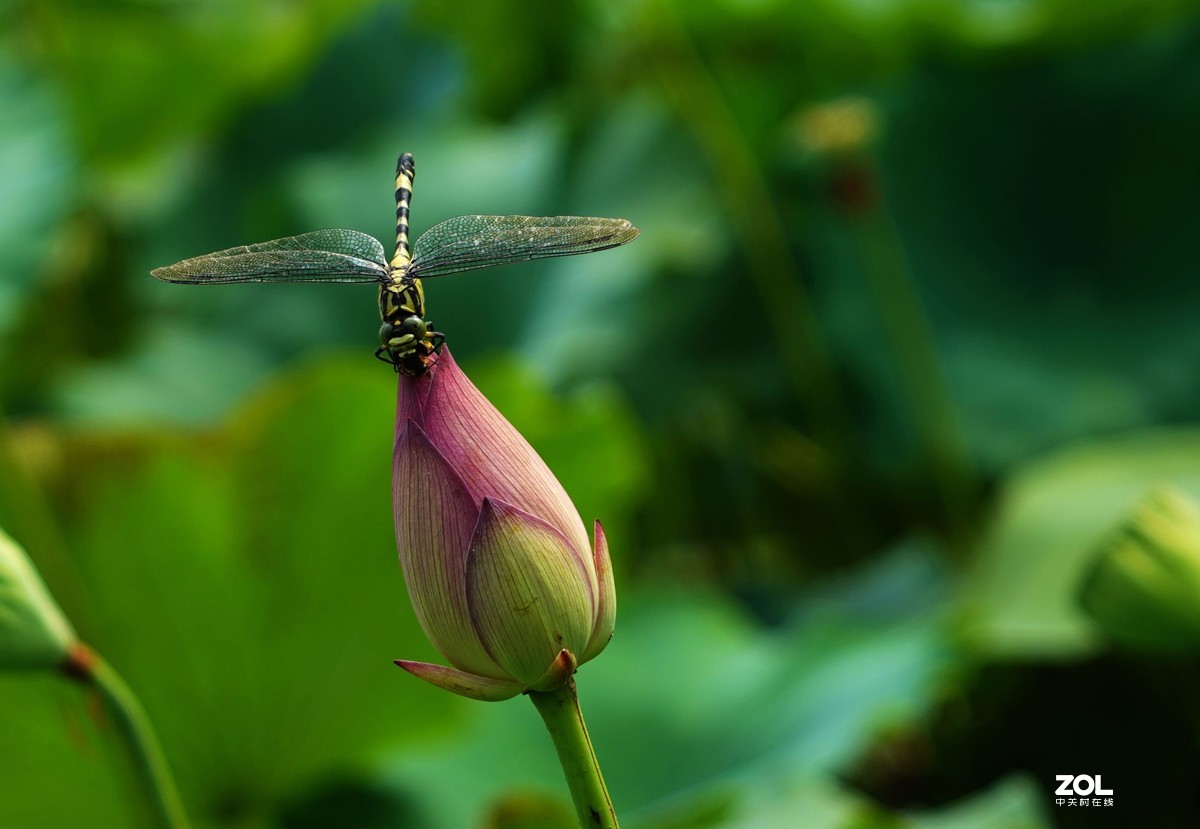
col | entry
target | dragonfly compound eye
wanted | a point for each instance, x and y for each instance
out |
(385, 332)
(415, 326)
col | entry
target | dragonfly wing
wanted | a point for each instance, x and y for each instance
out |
(469, 242)
(320, 256)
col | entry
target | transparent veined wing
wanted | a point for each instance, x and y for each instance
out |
(468, 242)
(320, 256)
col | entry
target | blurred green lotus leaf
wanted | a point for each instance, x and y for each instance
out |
(244, 580)
(36, 168)
(138, 77)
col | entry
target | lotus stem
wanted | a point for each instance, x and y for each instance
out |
(134, 726)
(560, 711)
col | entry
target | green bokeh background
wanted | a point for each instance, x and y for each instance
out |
(854, 419)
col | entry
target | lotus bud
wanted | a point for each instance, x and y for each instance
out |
(502, 575)
(1144, 587)
(33, 631)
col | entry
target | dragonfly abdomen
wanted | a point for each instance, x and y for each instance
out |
(406, 172)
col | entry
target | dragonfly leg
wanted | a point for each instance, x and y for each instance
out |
(434, 338)
(379, 352)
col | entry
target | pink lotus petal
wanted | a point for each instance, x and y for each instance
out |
(492, 457)
(528, 593)
(408, 401)
(460, 682)
(435, 519)
(606, 598)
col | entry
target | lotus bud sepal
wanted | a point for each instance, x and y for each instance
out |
(462, 683)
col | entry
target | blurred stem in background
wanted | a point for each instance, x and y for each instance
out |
(932, 410)
(746, 203)
(840, 135)
(906, 326)
(790, 315)
(87, 666)
(560, 711)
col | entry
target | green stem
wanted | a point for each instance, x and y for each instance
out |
(136, 732)
(935, 418)
(560, 711)
(749, 209)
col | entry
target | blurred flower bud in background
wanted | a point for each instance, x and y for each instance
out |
(1144, 587)
(837, 138)
(500, 570)
(33, 631)
(845, 125)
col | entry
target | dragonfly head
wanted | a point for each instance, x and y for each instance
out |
(406, 331)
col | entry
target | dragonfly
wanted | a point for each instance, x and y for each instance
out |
(408, 341)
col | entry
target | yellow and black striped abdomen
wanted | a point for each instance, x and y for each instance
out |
(406, 172)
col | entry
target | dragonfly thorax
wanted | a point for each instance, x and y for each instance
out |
(402, 297)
